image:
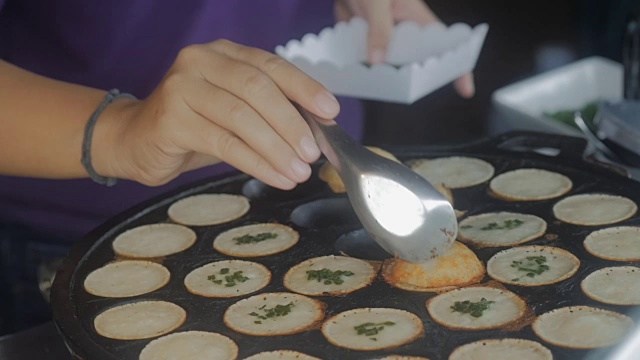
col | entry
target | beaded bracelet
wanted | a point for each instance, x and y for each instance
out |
(111, 96)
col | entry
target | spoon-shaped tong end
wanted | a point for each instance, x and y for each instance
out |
(401, 211)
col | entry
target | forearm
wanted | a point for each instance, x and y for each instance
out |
(42, 124)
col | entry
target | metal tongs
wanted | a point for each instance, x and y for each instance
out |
(400, 210)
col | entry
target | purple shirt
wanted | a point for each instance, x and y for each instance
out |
(129, 45)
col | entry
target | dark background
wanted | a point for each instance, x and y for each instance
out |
(525, 38)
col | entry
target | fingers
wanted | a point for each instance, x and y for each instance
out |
(257, 89)
(380, 20)
(238, 127)
(292, 82)
(414, 10)
(342, 11)
(464, 85)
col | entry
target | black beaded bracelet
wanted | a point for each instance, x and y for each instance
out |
(112, 95)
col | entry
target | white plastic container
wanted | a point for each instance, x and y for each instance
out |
(419, 59)
(522, 105)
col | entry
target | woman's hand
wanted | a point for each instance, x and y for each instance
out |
(381, 15)
(219, 102)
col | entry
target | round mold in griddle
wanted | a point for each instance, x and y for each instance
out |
(256, 189)
(360, 245)
(74, 309)
(331, 212)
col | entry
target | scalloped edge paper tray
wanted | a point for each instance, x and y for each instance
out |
(419, 59)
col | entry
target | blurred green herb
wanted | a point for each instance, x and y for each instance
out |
(566, 116)
(532, 266)
(270, 313)
(474, 309)
(371, 329)
(327, 276)
(250, 239)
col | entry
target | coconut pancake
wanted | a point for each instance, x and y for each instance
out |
(617, 243)
(594, 209)
(454, 172)
(329, 275)
(372, 328)
(476, 308)
(273, 314)
(582, 327)
(139, 320)
(530, 184)
(328, 173)
(155, 240)
(493, 349)
(532, 265)
(458, 267)
(256, 240)
(227, 278)
(126, 278)
(618, 285)
(281, 355)
(501, 229)
(208, 209)
(191, 345)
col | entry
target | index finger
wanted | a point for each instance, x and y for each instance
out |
(293, 82)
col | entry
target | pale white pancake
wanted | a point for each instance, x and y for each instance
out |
(402, 357)
(530, 184)
(279, 238)
(594, 209)
(618, 243)
(155, 240)
(380, 328)
(139, 320)
(208, 209)
(508, 266)
(126, 278)
(502, 307)
(281, 355)
(618, 285)
(191, 345)
(496, 349)
(307, 277)
(227, 278)
(265, 314)
(459, 266)
(500, 229)
(582, 327)
(454, 172)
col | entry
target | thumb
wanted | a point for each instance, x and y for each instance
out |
(380, 19)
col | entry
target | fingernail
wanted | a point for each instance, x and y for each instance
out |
(376, 56)
(310, 148)
(328, 104)
(285, 183)
(300, 169)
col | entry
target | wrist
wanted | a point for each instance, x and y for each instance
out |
(108, 138)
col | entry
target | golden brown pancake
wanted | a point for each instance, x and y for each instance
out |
(458, 267)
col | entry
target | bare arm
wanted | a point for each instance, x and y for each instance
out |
(219, 102)
(43, 123)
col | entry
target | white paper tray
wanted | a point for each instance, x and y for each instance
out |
(419, 60)
(522, 105)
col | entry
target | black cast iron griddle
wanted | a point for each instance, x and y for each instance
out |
(327, 225)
